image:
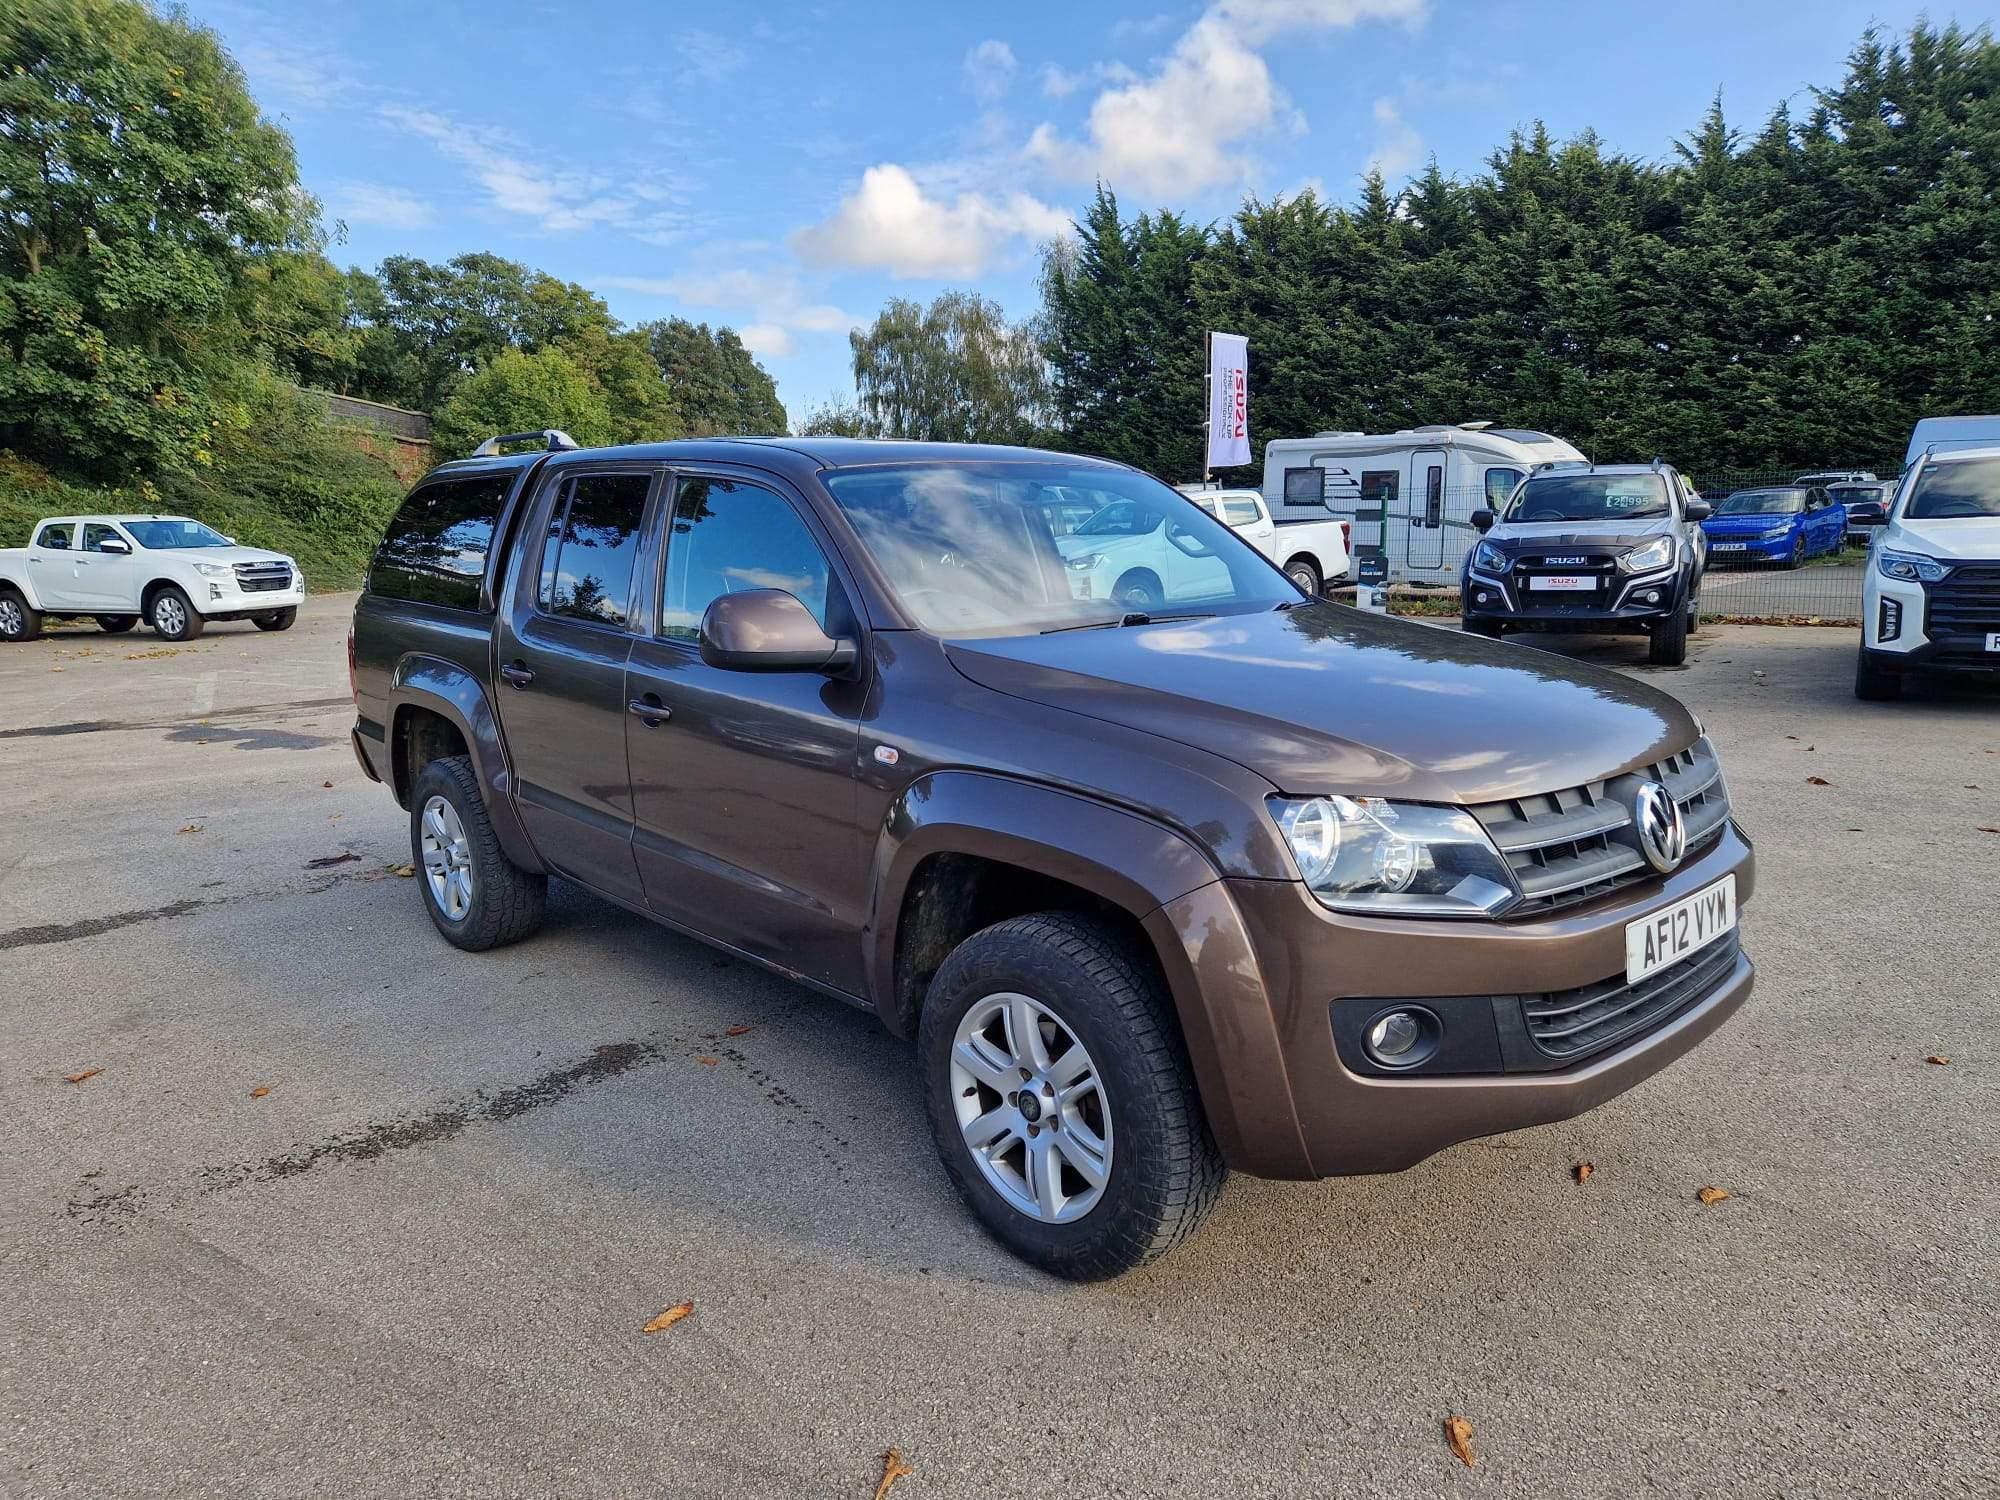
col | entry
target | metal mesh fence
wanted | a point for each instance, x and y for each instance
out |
(1810, 575)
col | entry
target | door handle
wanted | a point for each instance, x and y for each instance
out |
(517, 674)
(649, 710)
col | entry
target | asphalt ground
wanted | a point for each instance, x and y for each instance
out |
(421, 1262)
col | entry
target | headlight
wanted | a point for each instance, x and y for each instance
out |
(1910, 565)
(1084, 561)
(1773, 533)
(213, 570)
(1655, 554)
(1372, 855)
(1488, 558)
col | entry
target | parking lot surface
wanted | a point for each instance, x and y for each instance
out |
(420, 1263)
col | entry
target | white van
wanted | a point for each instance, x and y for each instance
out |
(1429, 480)
(1944, 434)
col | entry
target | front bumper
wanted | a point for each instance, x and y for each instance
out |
(221, 599)
(1270, 962)
(1621, 606)
(1900, 629)
(1741, 549)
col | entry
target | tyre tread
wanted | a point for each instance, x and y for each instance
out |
(510, 901)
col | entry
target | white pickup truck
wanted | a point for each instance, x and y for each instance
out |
(1130, 553)
(173, 572)
(1312, 553)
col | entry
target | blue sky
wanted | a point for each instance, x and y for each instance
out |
(785, 168)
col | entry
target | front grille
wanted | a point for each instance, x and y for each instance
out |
(263, 577)
(1967, 602)
(1569, 1025)
(1577, 843)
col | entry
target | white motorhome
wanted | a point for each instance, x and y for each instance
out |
(1429, 481)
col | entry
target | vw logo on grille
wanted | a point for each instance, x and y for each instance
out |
(1663, 837)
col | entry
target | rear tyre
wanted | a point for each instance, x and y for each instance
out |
(1493, 630)
(1874, 683)
(116, 624)
(172, 617)
(1668, 640)
(476, 896)
(1305, 573)
(1062, 1100)
(277, 619)
(19, 620)
(1139, 590)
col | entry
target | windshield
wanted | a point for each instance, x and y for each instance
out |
(1969, 488)
(161, 536)
(1762, 503)
(979, 549)
(1591, 497)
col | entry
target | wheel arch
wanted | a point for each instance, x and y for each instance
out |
(428, 692)
(962, 849)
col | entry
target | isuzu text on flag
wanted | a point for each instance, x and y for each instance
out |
(1228, 400)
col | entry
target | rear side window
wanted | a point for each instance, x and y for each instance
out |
(727, 537)
(593, 539)
(1240, 512)
(55, 538)
(434, 551)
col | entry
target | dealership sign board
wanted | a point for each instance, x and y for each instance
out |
(1228, 400)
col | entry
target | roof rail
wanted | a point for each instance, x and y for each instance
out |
(1562, 463)
(554, 439)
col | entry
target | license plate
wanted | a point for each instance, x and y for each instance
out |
(1673, 932)
(1562, 583)
(1732, 547)
(1993, 641)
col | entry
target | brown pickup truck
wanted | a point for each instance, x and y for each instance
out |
(1246, 879)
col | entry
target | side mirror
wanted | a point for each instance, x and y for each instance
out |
(1699, 510)
(768, 630)
(1483, 519)
(116, 544)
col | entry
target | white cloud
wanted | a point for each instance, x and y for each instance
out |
(1183, 126)
(767, 338)
(1130, 29)
(989, 70)
(772, 303)
(372, 203)
(1060, 83)
(708, 56)
(559, 199)
(1398, 147)
(891, 223)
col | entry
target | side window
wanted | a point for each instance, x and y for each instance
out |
(96, 534)
(1305, 486)
(727, 536)
(56, 537)
(1378, 487)
(1240, 512)
(1434, 495)
(592, 542)
(1499, 485)
(434, 551)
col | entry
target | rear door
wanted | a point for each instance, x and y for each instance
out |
(743, 783)
(1248, 519)
(52, 565)
(565, 631)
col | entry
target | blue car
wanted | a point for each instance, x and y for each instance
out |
(1785, 524)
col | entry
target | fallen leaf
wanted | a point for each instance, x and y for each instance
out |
(738, 1030)
(1972, 786)
(1712, 1195)
(327, 784)
(1817, 781)
(188, 828)
(1938, 1060)
(708, 1062)
(406, 871)
(1857, 830)
(1791, 736)
(326, 860)
(1458, 1434)
(1984, 829)
(893, 1469)
(670, 1317)
(1583, 1169)
(1811, 748)
(79, 1077)
(259, 1092)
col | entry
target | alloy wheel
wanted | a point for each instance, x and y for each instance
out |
(168, 616)
(1031, 1107)
(12, 621)
(447, 856)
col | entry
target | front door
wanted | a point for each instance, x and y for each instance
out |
(567, 632)
(743, 783)
(1426, 510)
(107, 579)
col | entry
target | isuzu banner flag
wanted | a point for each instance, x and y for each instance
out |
(1228, 400)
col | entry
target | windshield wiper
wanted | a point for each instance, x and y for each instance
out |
(1135, 617)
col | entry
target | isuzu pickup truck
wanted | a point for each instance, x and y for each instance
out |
(172, 572)
(1244, 879)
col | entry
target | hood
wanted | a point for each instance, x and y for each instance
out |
(1570, 536)
(1966, 539)
(1327, 698)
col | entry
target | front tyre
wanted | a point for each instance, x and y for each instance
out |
(1061, 1098)
(1874, 683)
(1797, 555)
(1668, 644)
(1491, 629)
(277, 619)
(477, 897)
(172, 617)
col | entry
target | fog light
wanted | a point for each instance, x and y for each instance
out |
(1651, 596)
(1395, 1036)
(1480, 596)
(1889, 623)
